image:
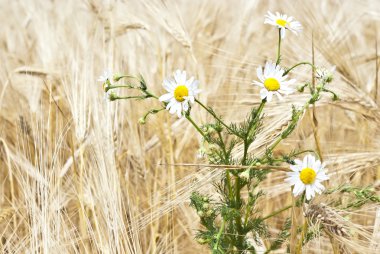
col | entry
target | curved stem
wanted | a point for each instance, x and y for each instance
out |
(277, 212)
(296, 65)
(196, 126)
(150, 112)
(214, 115)
(127, 97)
(127, 76)
(118, 86)
(215, 248)
(150, 94)
(292, 124)
(293, 155)
(259, 110)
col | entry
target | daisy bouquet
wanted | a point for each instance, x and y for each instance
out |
(232, 222)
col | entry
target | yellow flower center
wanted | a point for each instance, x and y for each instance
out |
(308, 175)
(271, 84)
(180, 92)
(281, 22)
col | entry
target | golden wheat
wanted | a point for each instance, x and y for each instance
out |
(89, 179)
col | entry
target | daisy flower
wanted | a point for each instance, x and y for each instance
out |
(283, 22)
(325, 75)
(272, 81)
(107, 75)
(307, 175)
(181, 92)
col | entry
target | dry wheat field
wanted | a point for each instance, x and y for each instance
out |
(79, 174)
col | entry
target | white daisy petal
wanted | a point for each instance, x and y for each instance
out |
(298, 189)
(279, 96)
(189, 82)
(259, 72)
(304, 163)
(170, 104)
(166, 97)
(269, 96)
(263, 93)
(298, 162)
(295, 168)
(178, 77)
(258, 83)
(310, 161)
(107, 75)
(169, 85)
(174, 108)
(179, 111)
(185, 106)
(309, 192)
(317, 165)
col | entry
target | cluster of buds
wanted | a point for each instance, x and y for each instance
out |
(202, 204)
(107, 79)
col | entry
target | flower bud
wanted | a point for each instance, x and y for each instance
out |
(142, 120)
(117, 77)
(202, 240)
(245, 174)
(112, 96)
(209, 212)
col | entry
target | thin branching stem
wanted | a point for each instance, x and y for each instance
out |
(127, 97)
(296, 65)
(219, 235)
(118, 86)
(195, 126)
(214, 115)
(277, 212)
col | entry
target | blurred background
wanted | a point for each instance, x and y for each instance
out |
(80, 175)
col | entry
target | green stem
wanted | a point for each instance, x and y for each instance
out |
(117, 86)
(335, 96)
(277, 212)
(218, 236)
(223, 146)
(196, 126)
(245, 152)
(246, 142)
(126, 97)
(152, 111)
(303, 234)
(296, 65)
(279, 48)
(293, 155)
(149, 94)
(291, 126)
(229, 187)
(259, 110)
(214, 115)
(278, 140)
(125, 76)
(239, 227)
